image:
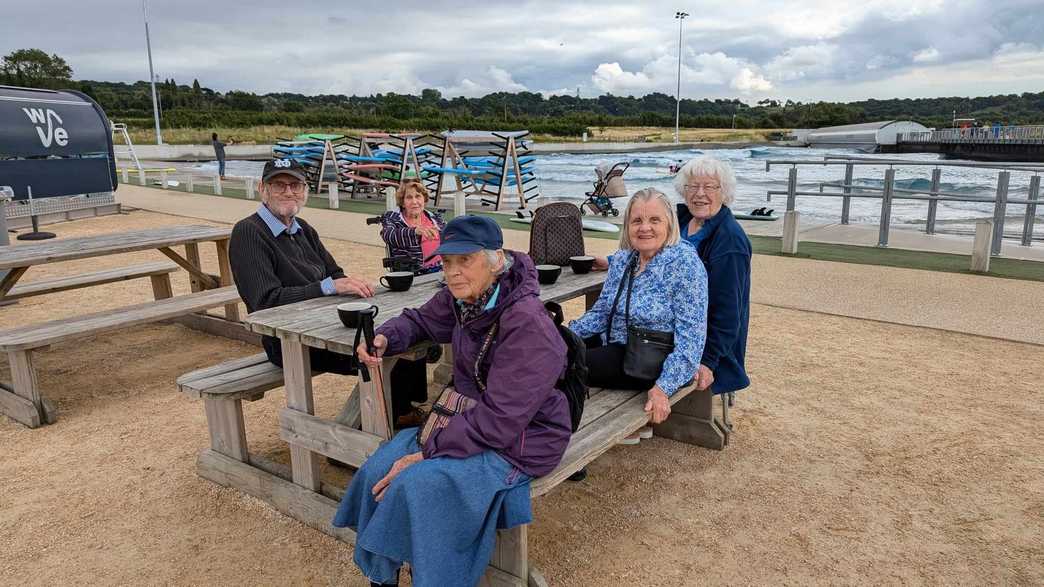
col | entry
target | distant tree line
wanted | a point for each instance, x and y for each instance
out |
(195, 106)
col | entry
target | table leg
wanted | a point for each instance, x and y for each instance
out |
(297, 378)
(23, 402)
(192, 256)
(10, 279)
(692, 422)
(349, 415)
(225, 268)
(590, 298)
(375, 400)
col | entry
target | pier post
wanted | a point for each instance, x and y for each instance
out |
(141, 177)
(933, 204)
(248, 186)
(190, 183)
(999, 207)
(792, 188)
(126, 175)
(886, 207)
(217, 185)
(389, 199)
(163, 178)
(790, 231)
(1031, 211)
(334, 195)
(980, 261)
(846, 200)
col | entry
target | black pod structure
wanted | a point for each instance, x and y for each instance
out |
(58, 143)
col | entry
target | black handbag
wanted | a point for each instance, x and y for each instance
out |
(646, 349)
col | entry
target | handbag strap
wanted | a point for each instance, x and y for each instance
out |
(629, 279)
(482, 354)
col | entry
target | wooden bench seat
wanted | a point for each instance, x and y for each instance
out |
(244, 378)
(23, 401)
(159, 272)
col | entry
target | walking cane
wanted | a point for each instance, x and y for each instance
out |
(375, 373)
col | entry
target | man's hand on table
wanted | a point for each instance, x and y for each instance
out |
(353, 285)
(380, 342)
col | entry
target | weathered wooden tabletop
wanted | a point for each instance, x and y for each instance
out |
(316, 324)
(67, 249)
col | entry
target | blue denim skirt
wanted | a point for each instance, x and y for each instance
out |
(440, 515)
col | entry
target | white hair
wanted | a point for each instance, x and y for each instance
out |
(493, 255)
(711, 167)
(646, 195)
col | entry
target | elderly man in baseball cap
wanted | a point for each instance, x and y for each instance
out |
(278, 259)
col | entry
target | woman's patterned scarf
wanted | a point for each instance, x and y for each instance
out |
(469, 311)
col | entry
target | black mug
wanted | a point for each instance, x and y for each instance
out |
(548, 274)
(350, 313)
(397, 280)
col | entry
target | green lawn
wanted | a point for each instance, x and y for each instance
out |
(763, 245)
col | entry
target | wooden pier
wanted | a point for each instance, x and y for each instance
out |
(998, 143)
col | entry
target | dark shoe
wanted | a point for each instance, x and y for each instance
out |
(579, 475)
(412, 419)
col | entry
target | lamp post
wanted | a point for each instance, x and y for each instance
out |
(152, 75)
(677, 105)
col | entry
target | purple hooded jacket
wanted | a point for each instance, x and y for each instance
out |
(521, 415)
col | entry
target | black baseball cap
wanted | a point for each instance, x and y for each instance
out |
(467, 234)
(280, 166)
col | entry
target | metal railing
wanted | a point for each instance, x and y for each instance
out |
(977, 135)
(889, 193)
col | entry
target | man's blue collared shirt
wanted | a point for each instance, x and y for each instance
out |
(277, 227)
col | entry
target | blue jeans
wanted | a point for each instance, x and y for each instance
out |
(221, 167)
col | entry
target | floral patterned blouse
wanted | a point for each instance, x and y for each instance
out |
(669, 295)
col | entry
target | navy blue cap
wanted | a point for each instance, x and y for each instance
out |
(280, 166)
(467, 234)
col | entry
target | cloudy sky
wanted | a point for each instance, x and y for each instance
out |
(749, 49)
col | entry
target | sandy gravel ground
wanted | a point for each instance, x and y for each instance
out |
(865, 452)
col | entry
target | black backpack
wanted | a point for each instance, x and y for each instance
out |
(573, 382)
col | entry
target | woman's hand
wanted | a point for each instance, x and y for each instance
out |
(427, 233)
(380, 342)
(658, 407)
(600, 264)
(399, 466)
(704, 377)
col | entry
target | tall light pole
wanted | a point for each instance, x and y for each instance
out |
(677, 106)
(152, 75)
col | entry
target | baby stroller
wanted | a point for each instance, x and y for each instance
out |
(609, 185)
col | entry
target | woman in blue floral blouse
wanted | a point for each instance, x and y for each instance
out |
(669, 294)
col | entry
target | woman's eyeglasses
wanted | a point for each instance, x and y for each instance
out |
(706, 187)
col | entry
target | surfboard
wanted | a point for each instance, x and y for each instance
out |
(588, 224)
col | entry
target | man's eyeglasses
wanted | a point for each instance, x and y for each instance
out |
(706, 187)
(281, 187)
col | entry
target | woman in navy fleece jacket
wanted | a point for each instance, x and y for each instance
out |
(707, 187)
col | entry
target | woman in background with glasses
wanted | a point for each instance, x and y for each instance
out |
(707, 187)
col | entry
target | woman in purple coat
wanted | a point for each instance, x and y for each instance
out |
(437, 506)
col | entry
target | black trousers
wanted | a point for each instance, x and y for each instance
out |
(409, 379)
(605, 367)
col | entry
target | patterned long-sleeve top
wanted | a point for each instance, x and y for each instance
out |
(670, 295)
(403, 239)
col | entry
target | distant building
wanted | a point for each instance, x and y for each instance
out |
(867, 137)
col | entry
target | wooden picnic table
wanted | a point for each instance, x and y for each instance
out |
(17, 260)
(21, 398)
